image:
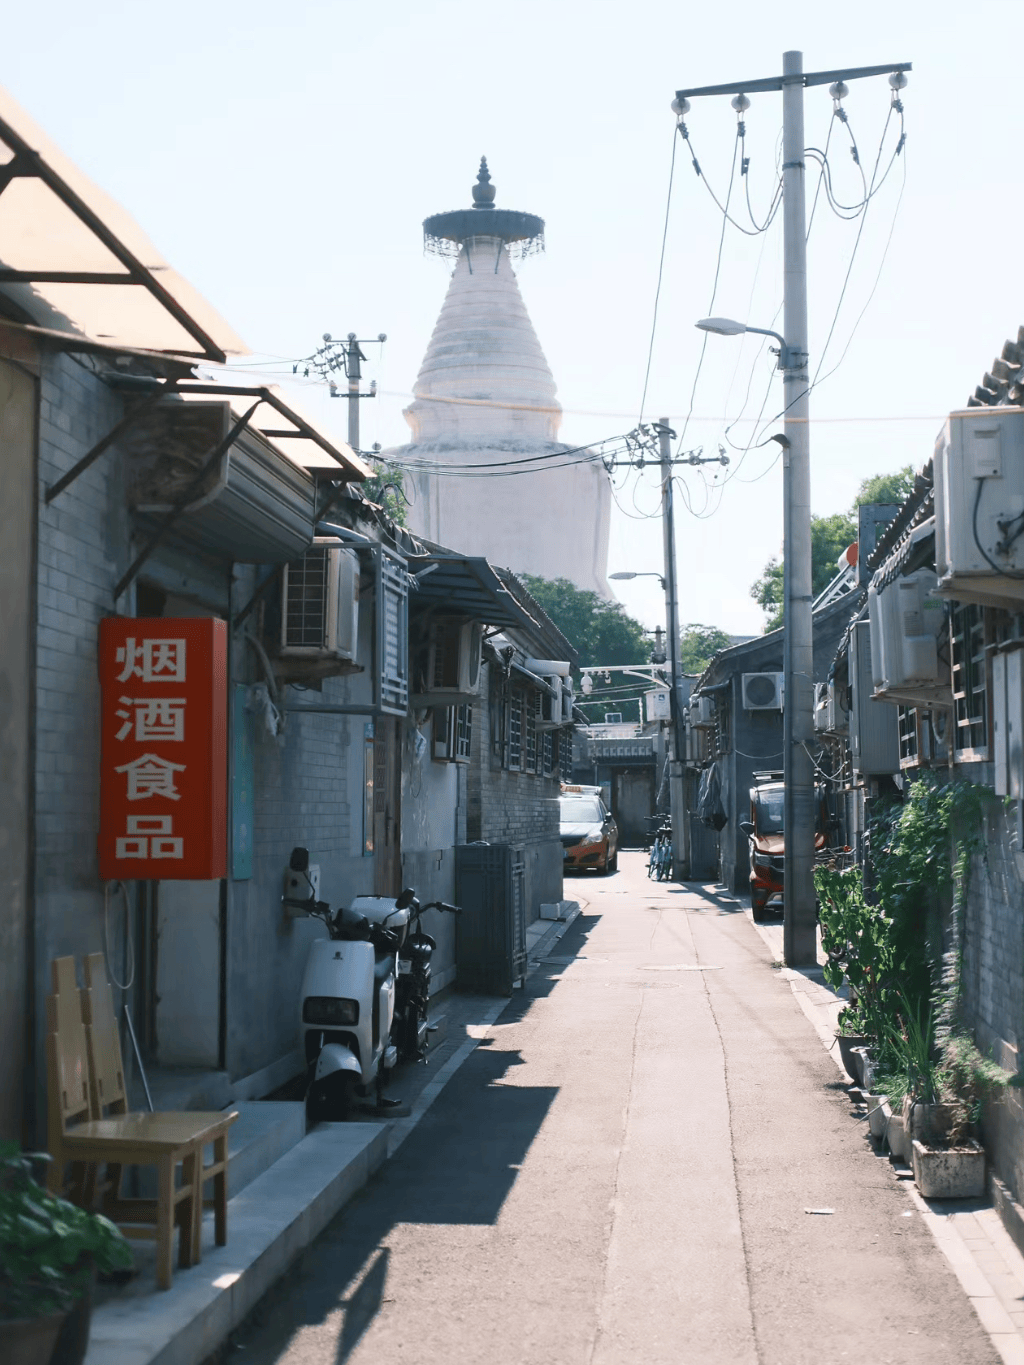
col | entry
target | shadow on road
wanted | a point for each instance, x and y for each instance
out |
(448, 1171)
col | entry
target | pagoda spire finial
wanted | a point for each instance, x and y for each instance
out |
(483, 190)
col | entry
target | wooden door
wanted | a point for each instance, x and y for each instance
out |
(387, 808)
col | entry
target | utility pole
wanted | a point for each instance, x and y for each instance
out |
(347, 356)
(677, 791)
(799, 935)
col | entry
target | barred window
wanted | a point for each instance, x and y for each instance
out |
(548, 753)
(515, 731)
(532, 703)
(463, 732)
(910, 745)
(565, 753)
(970, 697)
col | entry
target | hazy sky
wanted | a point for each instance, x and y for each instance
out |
(283, 157)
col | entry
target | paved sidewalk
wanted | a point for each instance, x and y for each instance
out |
(970, 1233)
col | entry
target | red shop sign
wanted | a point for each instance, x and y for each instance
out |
(163, 773)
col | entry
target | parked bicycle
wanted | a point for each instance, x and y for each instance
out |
(660, 864)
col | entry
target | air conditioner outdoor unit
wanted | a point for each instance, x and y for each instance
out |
(912, 620)
(549, 716)
(979, 506)
(838, 715)
(702, 712)
(762, 691)
(320, 604)
(568, 701)
(453, 660)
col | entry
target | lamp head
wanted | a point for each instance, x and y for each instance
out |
(625, 574)
(723, 327)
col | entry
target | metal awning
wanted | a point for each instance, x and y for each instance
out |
(467, 587)
(293, 439)
(71, 259)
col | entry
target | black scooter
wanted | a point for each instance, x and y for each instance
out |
(410, 1030)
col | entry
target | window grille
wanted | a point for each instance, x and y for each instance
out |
(515, 731)
(532, 703)
(463, 732)
(910, 744)
(548, 753)
(565, 754)
(970, 698)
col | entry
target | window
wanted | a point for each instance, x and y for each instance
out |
(970, 697)
(515, 731)
(548, 753)
(532, 705)
(565, 753)
(453, 733)
(463, 732)
(910, 745)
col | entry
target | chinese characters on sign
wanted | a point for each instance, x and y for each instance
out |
(163, 787)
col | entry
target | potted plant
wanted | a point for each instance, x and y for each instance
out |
(50, 1251)
(949, 1162)
(856, 938)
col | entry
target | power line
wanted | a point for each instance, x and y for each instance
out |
(661, 271)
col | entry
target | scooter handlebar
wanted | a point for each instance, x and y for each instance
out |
(444, 908)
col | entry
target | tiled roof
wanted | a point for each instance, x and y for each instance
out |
(1004, 382)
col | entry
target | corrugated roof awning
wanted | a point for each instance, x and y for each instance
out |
(468, 587)
(72, 259)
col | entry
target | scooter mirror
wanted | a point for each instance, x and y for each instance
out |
(405, 899)
(299, 861)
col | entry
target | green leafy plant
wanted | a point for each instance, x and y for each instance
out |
(856, 937)
(48, 1247)
(968, 1081)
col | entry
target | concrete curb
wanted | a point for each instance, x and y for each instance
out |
(269, 1223)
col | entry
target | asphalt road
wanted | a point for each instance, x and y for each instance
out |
(621, 1173)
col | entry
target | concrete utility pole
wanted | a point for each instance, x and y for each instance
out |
(350, 358)
(677, 791)
(799, 939)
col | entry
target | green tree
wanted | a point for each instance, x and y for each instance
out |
(698, 644)
(601, 631)
(891, 488)
(385, 488)
(829, 538)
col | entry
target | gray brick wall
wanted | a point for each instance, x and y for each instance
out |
(505, 807)
(993, 977)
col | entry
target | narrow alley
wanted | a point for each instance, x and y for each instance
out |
(648, 1158)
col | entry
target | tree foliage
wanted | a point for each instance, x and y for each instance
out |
(601, 631)
(830, 536)
(698, 645)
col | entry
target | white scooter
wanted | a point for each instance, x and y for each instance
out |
(348, 1000)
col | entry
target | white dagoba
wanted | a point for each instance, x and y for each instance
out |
(484, 403)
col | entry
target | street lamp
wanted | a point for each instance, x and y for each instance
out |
(629, 574)
(727, 327)
(799, 946)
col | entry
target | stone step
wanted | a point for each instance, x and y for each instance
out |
(262, 1133)
(270, 1222)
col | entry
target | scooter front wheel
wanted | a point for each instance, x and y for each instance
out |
(330, 1100)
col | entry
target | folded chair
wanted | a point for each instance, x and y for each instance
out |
(89, 1126)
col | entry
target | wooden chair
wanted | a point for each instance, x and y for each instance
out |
(165, 1141)
(108, 1097)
